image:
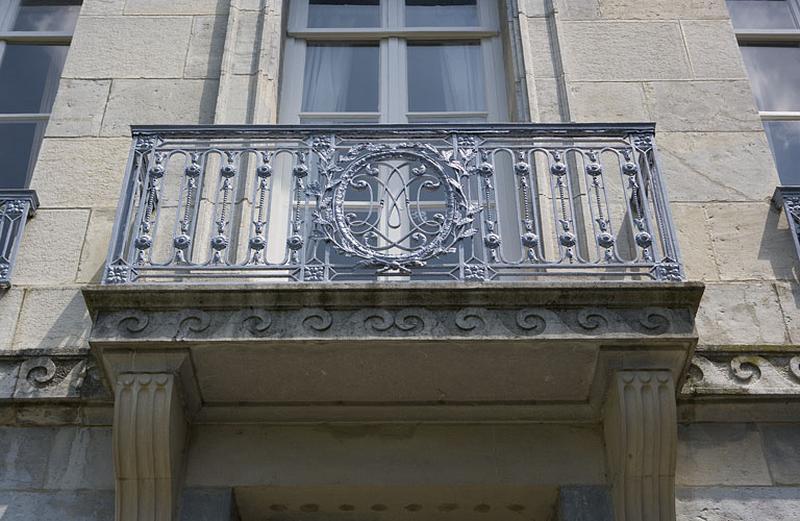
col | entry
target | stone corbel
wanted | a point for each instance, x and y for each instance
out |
(640, 424)
(150, 430)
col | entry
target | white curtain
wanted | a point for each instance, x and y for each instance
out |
(462, 77)
(327, 78)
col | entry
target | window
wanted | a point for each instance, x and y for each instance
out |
(393, 61)
(769, 37)
(34, 38)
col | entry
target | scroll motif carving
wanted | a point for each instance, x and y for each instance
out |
(49, 377)
(387, 321)
(256, 321)
(531, 320)
(744, 374)
(316, 319)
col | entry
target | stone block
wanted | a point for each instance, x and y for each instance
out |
(539, 49)
(737, 503)
(51, 319)
(102, 7)
(698, 106)
(782, 448)
(81, 172)
(236, 101)
(95, 247)
(662, 10)
(694, 239)
(24, 456)
(577, 9)
(751, 241)
(78, 108)
(80, 458)
(585, 503)
(177, 7)
(86, 505)
(720, 454)
(614, 51)
(208, 504)
(39, 414)
(129, 47)
(717, 166)
(245, 49)
(9, 372)
(205, 48)
(177, 102)
(548, 101)
(789, 298)
(537, 8)
(713, 50)
(10, 305)
(607, 102)
(50, 249)
(740, 314)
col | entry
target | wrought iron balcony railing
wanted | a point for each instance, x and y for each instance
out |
(424, 202)
(15, 208)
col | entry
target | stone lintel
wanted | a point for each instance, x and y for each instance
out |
(395, 344)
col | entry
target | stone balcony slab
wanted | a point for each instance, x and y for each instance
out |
(314, 351)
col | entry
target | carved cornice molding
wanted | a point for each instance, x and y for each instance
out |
(743, 374)
(385, 322)
(50, 376)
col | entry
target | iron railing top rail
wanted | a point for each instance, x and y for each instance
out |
(420, 129)
(472, 202)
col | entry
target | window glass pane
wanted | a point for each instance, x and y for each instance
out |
(775, 75)
(29, 77)
(341, 78)
(445, 77)
(47, 15)
(762, 14)
(347, 13)
(784, 138)
(438, 13)
(19, 145)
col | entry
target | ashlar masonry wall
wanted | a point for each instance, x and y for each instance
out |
(675, 62)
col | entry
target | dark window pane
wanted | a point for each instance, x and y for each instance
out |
(29, 77)
(47, 15)
(441, 13)
(341, 78)
(762, 14)
(784, 138)
(347, 13)
(775, 75)
(445, 78)
(19, 145)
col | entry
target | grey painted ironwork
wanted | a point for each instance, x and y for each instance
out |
(409, 202)
(15, 208)
(788, 198)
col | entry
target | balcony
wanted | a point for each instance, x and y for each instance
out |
(411, 203)
(360, 273)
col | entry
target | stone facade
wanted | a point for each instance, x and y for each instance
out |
(733, 434)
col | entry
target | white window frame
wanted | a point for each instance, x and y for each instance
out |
(774, 37)
(392, 37)
(8, 12)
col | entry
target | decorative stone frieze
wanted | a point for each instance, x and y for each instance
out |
(640, 425)
(54, 376)
(148, 439)
(403, 322)
(746, 374)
